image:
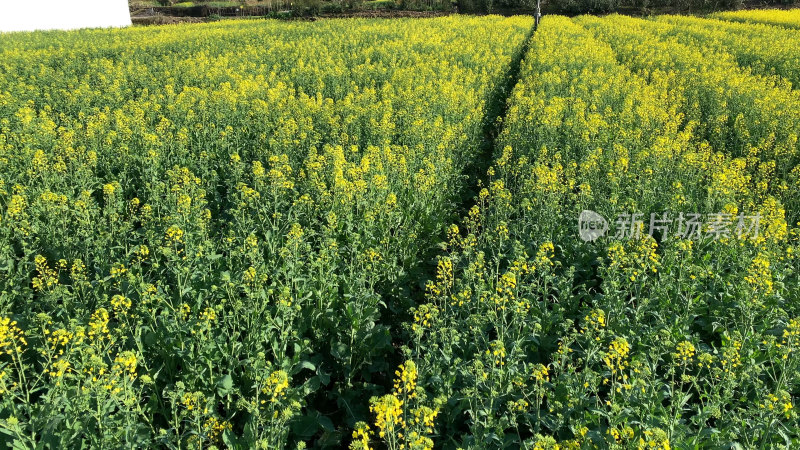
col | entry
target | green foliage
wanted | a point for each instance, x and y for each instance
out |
(245, 234)
(540, 340)
(207, 232)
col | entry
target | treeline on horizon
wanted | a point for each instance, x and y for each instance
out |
(507, 7)
(574, 7)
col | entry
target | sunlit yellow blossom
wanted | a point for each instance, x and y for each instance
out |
(98, 325)
(617, 355)
(12, 339)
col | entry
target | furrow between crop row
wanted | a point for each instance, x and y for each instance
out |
(535, 337)
(235, 213)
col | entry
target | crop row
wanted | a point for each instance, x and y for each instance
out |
(766, 50)
(653, 335)
(786, 18)
(217, 235)
(204, 227)
(753, 118)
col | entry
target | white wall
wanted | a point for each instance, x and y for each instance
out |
(29, 15)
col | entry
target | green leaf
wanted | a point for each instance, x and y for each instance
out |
(224, 385)
(311, 385)
(326, 423)
(339, 350)
(306, 426)
(324, 378)
(231, 441)
(304, 365)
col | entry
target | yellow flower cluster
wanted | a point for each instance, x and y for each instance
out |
(423, 315)
(47, 278)
(425, 416)
(620, 434)
(59, 368)
(361, 437)
(121, 304)
(406, 382)
(402, 418)
(214, 427)
(389, 414)
(731, 358)
(497, 353)
(540, 373)
(789, 19)
(174, 234)
(275, 386)
(780, 404)
(192, 400)
(763, 48)
(12, 338)
(595, 321)
(655, 439)
(125, 363)
(684, 352)
(616, 358)
(98, 325)
(759, 276)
